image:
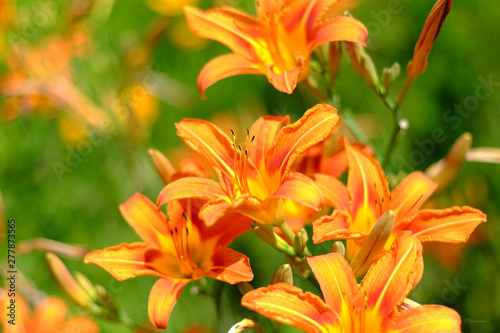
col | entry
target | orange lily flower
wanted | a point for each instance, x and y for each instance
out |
(277, 43)
(366, 198)
(176, 249)
(254, 179)
(49, 316)
(373, 306)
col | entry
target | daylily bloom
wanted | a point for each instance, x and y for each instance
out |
(373, 306)
(50, 316)
(277, 43)
(254, 179)
(366, 198)
(176, 249)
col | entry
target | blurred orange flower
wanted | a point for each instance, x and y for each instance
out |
(49, 316)
(177, 249)
(254, 179)
(372, 306)
(277, 43)
(366, 198)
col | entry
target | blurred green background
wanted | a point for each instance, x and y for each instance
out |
(80, 206)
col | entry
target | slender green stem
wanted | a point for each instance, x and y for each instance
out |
(395, 131)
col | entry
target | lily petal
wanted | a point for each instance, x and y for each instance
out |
(302, 189)
(335, 226)
(50, 313)
(84, 325)
(228, 227)
(334, 192)
(367, 188)
(230, 266)
(390, 279)
(305, 14)
(427, 319)
(144, 217)
(451, 225)
(264, 130)
(286, 81)
(339, 28)
(209, 141)
(162, 300)
(291, 306)
(123, 261)
(190, 187)
(337, 283)
(292, 140)
(223, 67)
(226, 27)
(410, 194)
(271, 211)
(214, 210)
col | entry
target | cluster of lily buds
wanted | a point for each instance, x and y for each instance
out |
(93, 298)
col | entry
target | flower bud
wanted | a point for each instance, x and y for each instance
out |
(338, 247)
(334, 56)
(85, 283)
(484, 155)
(266, 234)
(244, 325)
(389, 75)
(162, 165)
(430, 31)
(444, 171)
(300, 241)
(284, 274)
(66, 281)
(373, 244)
(245, 287)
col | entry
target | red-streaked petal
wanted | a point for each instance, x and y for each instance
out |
(190, 187)
(391, 278)
(339, 28)
(302, 189)
(123, 261)
(367, 188)
(451, 225)
(336, 164)
(335, 226)
(223, 67)
(286, 81)
(214, 210)
(162, 299)
(337, 283)
(292, 140)
(427, 319)
(291, 306)
(209, 141)
(334, 192)
(230, 28)
(227, 228)
(230, 266)
(264, 130)
(410, 194)
(305, 14)
(144, 217)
